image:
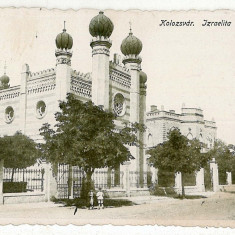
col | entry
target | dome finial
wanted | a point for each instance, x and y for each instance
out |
(4, 79)
(5, 67)
(64, 30)
(130, 33)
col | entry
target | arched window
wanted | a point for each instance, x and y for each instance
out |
(40, 109)
(190, 136)
(9, 114)
(150, 140)
(119, 104)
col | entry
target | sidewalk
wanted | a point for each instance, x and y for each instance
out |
(146, 199)
(153, 199)
(216, 210)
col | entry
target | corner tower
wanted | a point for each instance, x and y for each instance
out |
(4, 80)
(100, 28)
(64, 43)
(131, 47)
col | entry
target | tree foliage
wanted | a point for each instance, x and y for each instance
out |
(85, 135)
(223, 155)
(178, 154)
(18, 151)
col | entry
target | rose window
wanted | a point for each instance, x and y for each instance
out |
(41, 109)
(9, 114)
(119, 104)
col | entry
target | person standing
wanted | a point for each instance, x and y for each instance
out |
(100, 198)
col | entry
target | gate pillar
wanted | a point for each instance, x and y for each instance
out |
(50, 186)
(1, 180)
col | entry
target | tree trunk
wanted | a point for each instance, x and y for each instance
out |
(88, 175)
(87, 184)
(12, 174)
(182, 183)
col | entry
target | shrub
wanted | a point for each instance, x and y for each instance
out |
(149, 179)
(189, 197)
(82, 203)
(170, 191)
(14, 187)
(157, 191)
(166, 178)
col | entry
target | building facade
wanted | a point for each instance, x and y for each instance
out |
(116, 84)
(192, 124)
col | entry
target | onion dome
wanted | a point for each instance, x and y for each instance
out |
(143, 77)
(131, 45)
(101, 25)
(4, 79)
(64, 40)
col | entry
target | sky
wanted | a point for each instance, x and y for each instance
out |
(191, 65)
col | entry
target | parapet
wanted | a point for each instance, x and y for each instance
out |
(40, 74)
(192, 111)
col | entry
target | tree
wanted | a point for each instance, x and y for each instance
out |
(178, 154)
(224, 156)
(18, 151)
(85, 135)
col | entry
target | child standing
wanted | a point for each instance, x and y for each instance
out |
(91, 195)
(100, 198)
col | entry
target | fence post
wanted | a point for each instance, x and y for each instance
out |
(50, 186)
(215, 175)
(200, 180)
(126, 177)
(1, 180)
(229, 178)
(154, 171)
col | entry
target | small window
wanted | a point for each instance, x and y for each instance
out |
(41, 109)
(119, 105)
(9, 114)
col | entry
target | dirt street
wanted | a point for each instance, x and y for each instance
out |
(218, 210)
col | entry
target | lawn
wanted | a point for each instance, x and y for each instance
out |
(83, 203)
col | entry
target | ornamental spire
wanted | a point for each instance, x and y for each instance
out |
(130, 33)
(64, 30)
(5, 67)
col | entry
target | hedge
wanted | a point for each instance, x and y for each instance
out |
(14, 187)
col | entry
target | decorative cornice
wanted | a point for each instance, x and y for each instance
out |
(63, 57)
(143, 92)
(60, 52)
(133, 59)
(81, 87)
(10, 93)
(100, 41)
(100, 50)
(41, 85)
(63, 60)
(120, 78)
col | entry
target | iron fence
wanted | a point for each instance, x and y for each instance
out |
(62, 181)
(134, 179)
(34, 177)
(103, 178)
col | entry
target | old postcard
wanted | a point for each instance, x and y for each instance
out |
(117, 117)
